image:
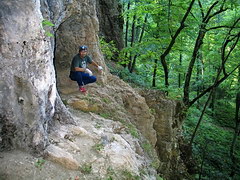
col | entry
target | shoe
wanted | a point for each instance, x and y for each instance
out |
(82, 89)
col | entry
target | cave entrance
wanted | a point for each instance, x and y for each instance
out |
(66, 46)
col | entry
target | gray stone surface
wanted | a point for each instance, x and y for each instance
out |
(27, 84)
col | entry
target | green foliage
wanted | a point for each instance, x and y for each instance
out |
(155, 164)
(49, 34)
(46, 24)
(106, 100)
(39, 163)
(108, 48)
(129, 176)
(159, 177)
(86, 168)
(98, 147)
(147, 147)
(134, 79)
(212, 145)
(105, 115)
(132, 130)
(224, 114)
(64, 102)
(164, 19)
(98, 125)
(162, 23)
(110, 173)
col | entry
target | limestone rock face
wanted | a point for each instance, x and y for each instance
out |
(27, 84)
(76, 24)
(168, 125)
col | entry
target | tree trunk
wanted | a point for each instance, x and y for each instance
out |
(200, 119)
(199, 75)
(198, 44)
(126, 33)
(224, 57)
(140, 40)
(154, 73)
(132, 40)
(172, 42)
(229, 44)
(179, 74)
(127, 24)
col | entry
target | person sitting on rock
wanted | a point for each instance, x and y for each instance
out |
(79, 71)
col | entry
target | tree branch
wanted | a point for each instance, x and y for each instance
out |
(179, 29)
(201, 8)
(216, 13)
(222, 68)
(166, 52)
(227, 41)
(233, 46)
(211, 87)
(209, 11)
(218, 27)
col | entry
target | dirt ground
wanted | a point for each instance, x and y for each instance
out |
(19, 165)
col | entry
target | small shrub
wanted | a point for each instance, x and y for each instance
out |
(106, 100)
(105, 115)
(108, 48)
(86, 168)
(98, 147)
(97, 126)
(133, 130)
(129, 176)
(110, 173)
(39, 163)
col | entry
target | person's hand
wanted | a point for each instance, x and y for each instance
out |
(89, 72)
(100, 68)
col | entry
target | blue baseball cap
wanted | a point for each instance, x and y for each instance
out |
(83, 48)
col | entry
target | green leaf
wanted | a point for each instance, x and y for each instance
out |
(47, 23)
(49, 34)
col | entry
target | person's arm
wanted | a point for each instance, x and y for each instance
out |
(90, 61)
(96, 65)
(79, 69)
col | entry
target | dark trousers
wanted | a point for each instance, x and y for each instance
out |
(82, 78)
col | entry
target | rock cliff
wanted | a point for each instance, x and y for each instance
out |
(27, 85)
(110, 130)
(110, 21)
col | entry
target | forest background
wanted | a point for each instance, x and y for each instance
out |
(190, 50)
